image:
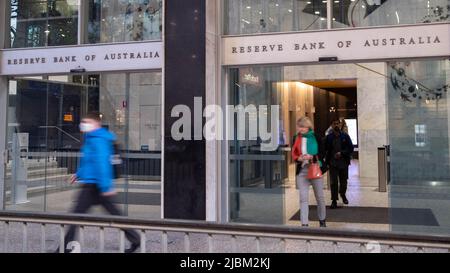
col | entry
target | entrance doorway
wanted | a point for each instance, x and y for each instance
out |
(322, 93)
(401, 104)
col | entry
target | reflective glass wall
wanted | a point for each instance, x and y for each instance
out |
(36, 23)
(363, 13)
(259, 16)
(44, 139)
(121, 21)
(419, 138)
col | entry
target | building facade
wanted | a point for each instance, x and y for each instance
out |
(164, 74)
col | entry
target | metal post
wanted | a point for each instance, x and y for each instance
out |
(308, 246)
(83, 15)
(122, 241)
(6, 237)
(329, 14)
(3, 134)
(61, 239)
(382, 169)
(19, 169)
(164, 242)
(43, 246)
(187, 243)
(362, 247)
(102, 240)
(143, 247)
(233, 243)
(81, 238)
(24, 237)
(258, 245)
(210, 243)
(283, 245)
(5, 14)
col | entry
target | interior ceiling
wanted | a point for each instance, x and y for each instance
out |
(325, 84)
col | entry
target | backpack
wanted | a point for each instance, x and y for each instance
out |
(116, 161)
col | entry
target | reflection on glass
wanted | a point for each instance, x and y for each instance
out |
(259, 16)
(120, 21)
(361, 13)
(44, 139)
(44, 23)
(257, 177)
(419, 136)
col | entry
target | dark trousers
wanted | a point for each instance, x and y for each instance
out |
(338, 181)
(90, 195)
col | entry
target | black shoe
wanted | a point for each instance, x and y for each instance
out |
(323, 223)
(344, 199)
(333, 205)
(132, 248)
(305, 225)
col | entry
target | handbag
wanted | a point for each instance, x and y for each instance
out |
(314, 171)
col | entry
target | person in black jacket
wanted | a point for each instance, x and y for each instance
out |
(338, 152)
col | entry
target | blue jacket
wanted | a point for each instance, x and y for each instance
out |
(95, 165)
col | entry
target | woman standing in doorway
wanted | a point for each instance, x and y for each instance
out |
(307, 149)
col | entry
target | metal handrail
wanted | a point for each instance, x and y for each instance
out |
(282, 233)
(64, 132)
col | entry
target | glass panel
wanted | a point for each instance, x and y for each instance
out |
(121, 21)
(44, 140)
(259, 16)
(44, 23)
(363, 13)
(144, 145)
(400, 105)
(257, 177)
(419, 112)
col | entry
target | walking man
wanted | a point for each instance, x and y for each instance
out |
(338, 151)
(95, 174)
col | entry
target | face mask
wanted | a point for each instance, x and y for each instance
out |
(86, 127)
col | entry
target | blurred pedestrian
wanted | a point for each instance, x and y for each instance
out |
(96, 177)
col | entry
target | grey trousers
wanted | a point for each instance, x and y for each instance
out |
(303, 185)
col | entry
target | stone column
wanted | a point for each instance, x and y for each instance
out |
(372, 119)
(184, 161)
(213, 95)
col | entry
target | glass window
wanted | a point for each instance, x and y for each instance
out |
(419, 134)
(44, 139)
(44, 23)
(361, 13)
(121, 21)
(401, 105)
(259, 16)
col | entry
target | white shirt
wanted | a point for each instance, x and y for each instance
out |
(304, 150)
